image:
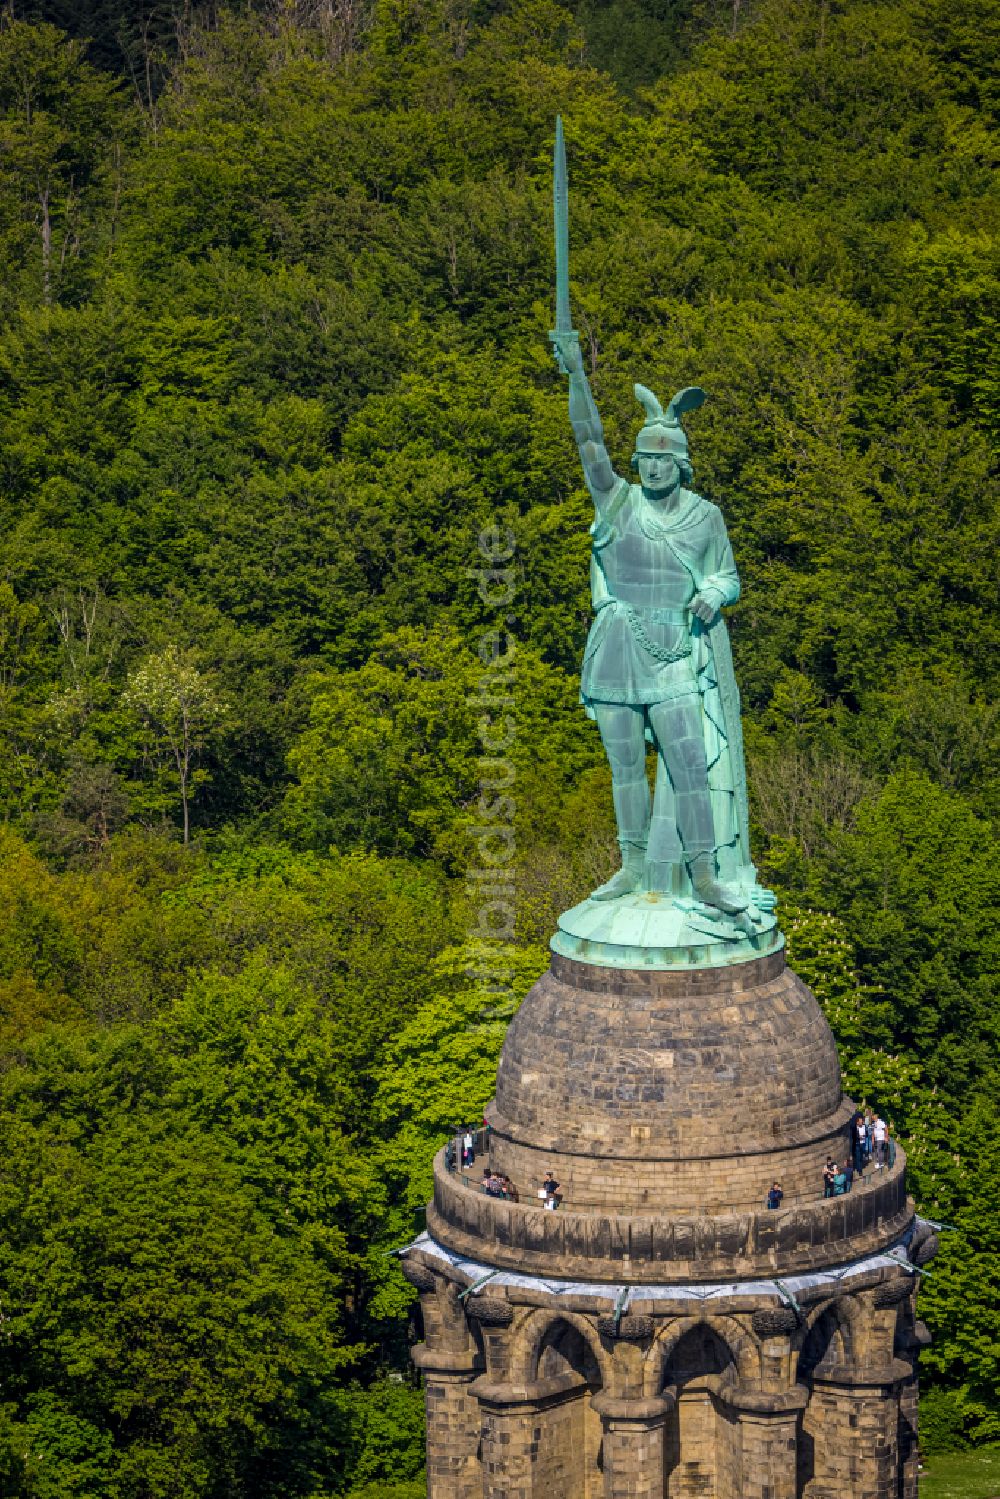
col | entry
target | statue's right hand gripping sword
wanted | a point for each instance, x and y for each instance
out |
(560, 204)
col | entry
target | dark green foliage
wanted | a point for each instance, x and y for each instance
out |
(272, 361)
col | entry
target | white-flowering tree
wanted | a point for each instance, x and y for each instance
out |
(179, 709)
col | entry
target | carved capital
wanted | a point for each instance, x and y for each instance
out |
(778, 1403)
(922, 1234)
(892, 1292)
(504, 1396)
(418, 1275)
(629, 1329)
(923, 1253)
(442, 1363)
(774, 1322)
(490, 1311)
(644, 1411)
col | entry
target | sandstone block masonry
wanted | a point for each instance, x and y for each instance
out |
(642, 1340)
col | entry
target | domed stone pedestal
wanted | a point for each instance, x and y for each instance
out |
(659, 1089)
(662, 1333)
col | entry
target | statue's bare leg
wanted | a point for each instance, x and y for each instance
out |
(623, 736)
(678, 730)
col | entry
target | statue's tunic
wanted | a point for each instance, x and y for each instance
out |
(645, 646)
(646, 567)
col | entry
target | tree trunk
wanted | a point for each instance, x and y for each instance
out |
(43, 199)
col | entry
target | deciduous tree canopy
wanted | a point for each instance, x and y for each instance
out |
(273, 358)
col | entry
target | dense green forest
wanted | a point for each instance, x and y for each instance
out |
(273, 360)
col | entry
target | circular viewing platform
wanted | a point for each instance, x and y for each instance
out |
(666, 1103)
(691, 1246)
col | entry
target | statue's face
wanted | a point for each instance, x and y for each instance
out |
(658, 472)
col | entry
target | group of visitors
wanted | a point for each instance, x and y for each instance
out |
(498, 1184)
(463, 1147)
(872, 1142)
(837, 1179)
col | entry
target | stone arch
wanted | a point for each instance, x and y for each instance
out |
(443, 1323)
(562, 1350)
(740, 1345)
(415, 1332)
(828, 1349)
(830, 1337)
(530, 1337)
(905, 1336)
(559, 1355)
(700, 1359)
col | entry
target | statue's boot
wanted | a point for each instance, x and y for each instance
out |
(629, 877)
(710, 890)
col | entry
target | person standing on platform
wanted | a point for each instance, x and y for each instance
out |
(858, 1143)
(880, 1135)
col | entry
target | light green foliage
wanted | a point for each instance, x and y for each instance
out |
(860, 1015)
(388, 1434)
(914, 881)
(415, 1490)
(152, 1287)
(440, 1068)
(820, 951)
(273, 981)
(955, 1172)
(395, 754)
(178, 709)
(358, 934)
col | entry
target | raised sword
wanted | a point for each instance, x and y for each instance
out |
(560, 211)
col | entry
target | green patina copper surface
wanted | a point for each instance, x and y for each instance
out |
(658, 671)
(650, 929)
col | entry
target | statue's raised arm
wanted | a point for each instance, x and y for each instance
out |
(586, 421)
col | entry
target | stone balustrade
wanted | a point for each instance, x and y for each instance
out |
(651, 1247)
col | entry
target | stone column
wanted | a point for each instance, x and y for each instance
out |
(508, 1444)
(633, 1445)
(768, 1441)
(913, 1339)
(511, 1421)
(908, 1453)
(859, 1452)
(453, 1470)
